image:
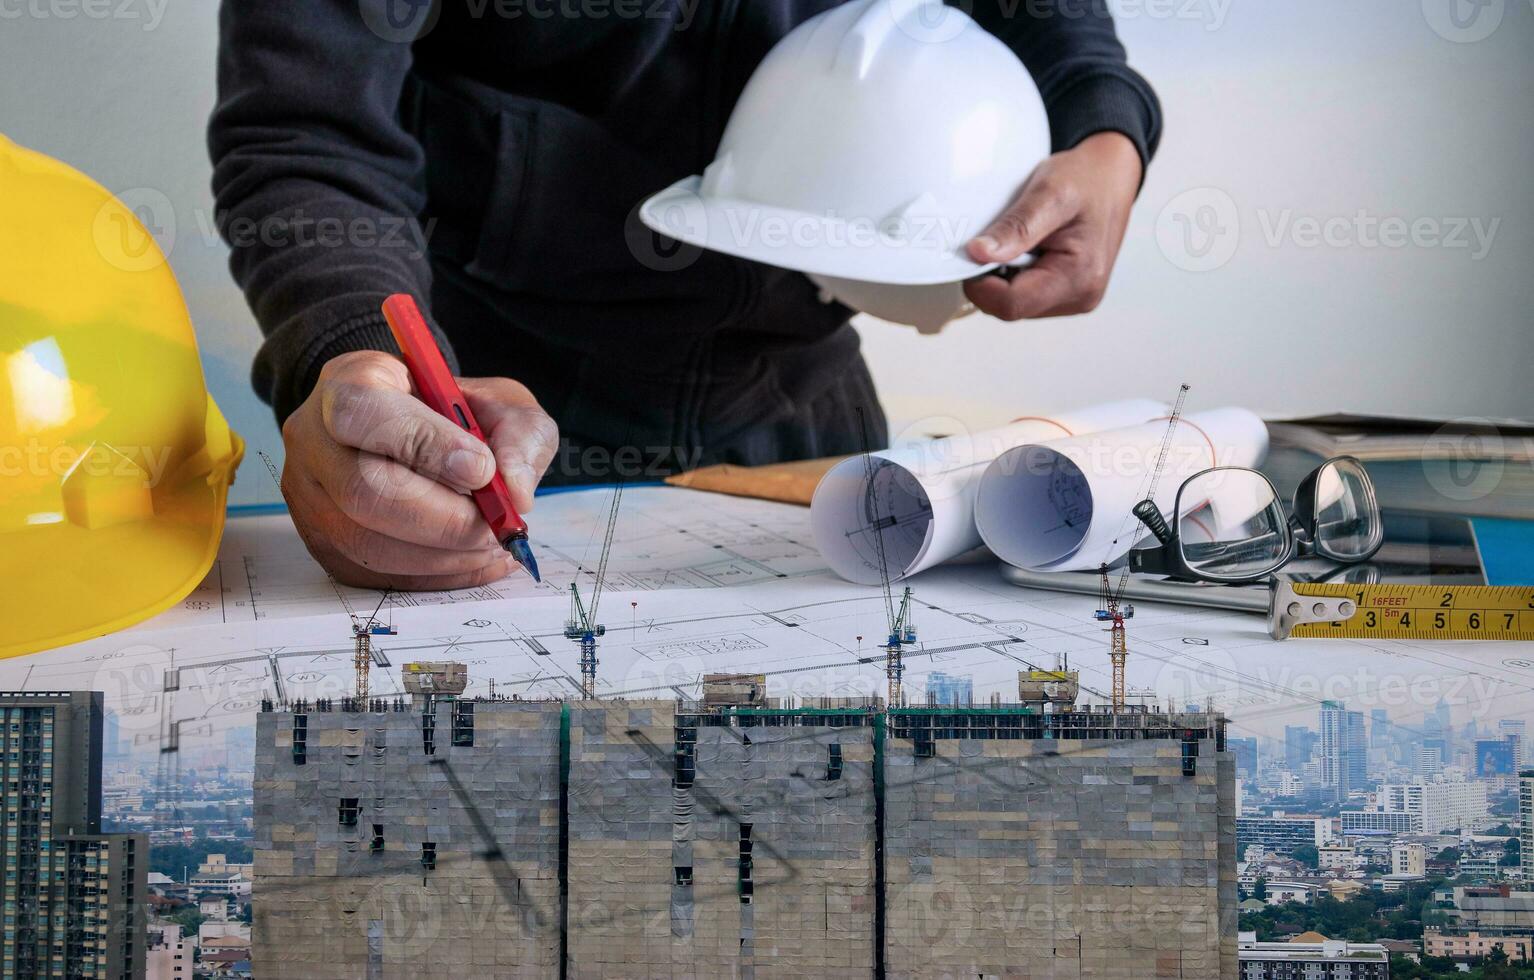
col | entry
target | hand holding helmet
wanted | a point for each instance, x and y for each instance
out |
(1071, 213)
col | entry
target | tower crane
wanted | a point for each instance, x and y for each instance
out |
(363, 631)
(582, 626)
(1109, 609)
(902, 627)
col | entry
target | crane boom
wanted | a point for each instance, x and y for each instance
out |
(1172, 421)
(607, 547)
(582, 626)
(1109, 609)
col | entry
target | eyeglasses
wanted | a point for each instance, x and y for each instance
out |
(1230, 525)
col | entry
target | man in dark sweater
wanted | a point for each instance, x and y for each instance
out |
(489, 157)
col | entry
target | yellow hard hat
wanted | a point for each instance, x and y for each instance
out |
(114, 461)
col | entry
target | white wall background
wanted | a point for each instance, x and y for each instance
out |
(1281, 118)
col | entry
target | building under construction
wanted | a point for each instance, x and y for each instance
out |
(445, 836)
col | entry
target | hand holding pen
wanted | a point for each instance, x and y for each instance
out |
(378, 483)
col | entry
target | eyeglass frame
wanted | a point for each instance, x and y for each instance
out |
(1299, 529)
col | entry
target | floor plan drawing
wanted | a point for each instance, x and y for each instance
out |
(814, 636)
(667, 538)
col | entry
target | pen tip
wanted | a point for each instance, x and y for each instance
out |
(523, 553)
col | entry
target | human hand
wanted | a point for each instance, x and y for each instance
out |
(1073, 209)
(377, 483)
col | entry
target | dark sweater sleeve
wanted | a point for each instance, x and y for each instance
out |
(317, 185)
(1074, 55)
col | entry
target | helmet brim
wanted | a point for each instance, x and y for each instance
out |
(921, 251)
(67, 583)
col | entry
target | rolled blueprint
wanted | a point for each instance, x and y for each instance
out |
(1064, 505)
(921, 496)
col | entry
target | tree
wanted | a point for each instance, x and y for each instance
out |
(1260, 890)
(1449, 855)
(171, 859)
(1510, 854)
(1307, 855)
(189, 919)
(1496, 966)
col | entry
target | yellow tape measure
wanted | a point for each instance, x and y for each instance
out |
(1403, 612)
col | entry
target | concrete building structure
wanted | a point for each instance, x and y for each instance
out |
(1108, 849)
(663, 838)
(1330, 959)
(401, 843)
(1336, 857)
(950, 689)
(1281, 834)
(72, 896)
(1526, 829)
(1474, 946)
(1280, 892)
(1408, 860)
(1437, 807)
(1344, 750)
(1493, 910)
(168, 956)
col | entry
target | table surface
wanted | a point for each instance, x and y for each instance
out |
(1507, 546)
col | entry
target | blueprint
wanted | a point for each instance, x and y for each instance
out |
(667, 538)
(274, 629)
(813, 637)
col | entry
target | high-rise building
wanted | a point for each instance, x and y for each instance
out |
(1245, 751)
(1279, 834)
(950, 689)
(111, 736)
(1526, 809)
(1516, 729)
(72, 895)
(1442, 717)
(664, 838)
(1495, 757)
(1429, 757)
(1344, 751)
(1423, 808)
(1380, 728)
(1299, 743)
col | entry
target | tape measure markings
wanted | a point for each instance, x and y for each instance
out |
(1426, 612)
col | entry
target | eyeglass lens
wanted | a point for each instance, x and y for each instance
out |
(1231, 525)
(1347, 520)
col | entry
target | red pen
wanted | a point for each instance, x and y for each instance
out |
(436, 387)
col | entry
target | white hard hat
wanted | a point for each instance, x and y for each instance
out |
(871, 144)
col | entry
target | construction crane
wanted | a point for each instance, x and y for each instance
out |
(902, 633)
(1110, 609)
(582, 625)
(363, 631)
(902, 628)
